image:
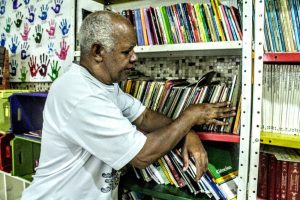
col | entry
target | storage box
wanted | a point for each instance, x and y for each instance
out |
(27, 111)
(5, 109)
(25, 156)
(11, 187)
(5, 152)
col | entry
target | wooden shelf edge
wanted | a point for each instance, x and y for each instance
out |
(219, 137)
(288, 57)
(277, 139)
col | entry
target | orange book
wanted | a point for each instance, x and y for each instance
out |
(144, 27)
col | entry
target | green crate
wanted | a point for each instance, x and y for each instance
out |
(25, 156)
(5, 109)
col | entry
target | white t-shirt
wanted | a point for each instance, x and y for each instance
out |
(87, 137)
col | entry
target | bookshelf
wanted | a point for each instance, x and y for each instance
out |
(258, 136)
(236, 48)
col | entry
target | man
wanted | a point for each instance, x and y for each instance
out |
(90, 125)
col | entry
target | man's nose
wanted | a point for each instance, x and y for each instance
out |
(133, 57)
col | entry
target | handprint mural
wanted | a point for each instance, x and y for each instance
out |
(39, 36)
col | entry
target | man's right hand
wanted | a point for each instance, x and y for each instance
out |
(210, 113)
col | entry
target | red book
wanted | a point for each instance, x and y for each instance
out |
(193, 21)
(278, 180)
(272, 177)
(293, 192)
(284, 177)
(262, 190)
(177, 177)
(235, 20)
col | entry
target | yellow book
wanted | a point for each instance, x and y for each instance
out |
(128, 86)
(237, 118)
(136, 89)
(214, 5)
(165, 171)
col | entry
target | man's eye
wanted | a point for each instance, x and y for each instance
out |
(126, 52)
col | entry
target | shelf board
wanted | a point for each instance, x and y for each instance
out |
(282, 57)
(219, 137)
(187, 49)
(191, 49)
(166, 192)
(277, 139)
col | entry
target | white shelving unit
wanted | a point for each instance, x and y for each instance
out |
(238, 48)
(11, 187)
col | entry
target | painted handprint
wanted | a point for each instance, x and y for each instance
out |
(50, 48)
(44, 60)
(39, 34)
(25, 33)
(54, 70)
(16, 5)
(14, 44)
(31, 11)
(8, 25)
(63, 50)
(33, 66)
(2, 7)
(64, 27)
(57, 6)
(19, 19)
(52, 27)
(3, 40)
(26, 2)
(23, 72)
(44, 11)
(13, 65)
(24, 50)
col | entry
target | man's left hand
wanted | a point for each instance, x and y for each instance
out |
(193, 148)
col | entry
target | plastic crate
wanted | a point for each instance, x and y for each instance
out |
(5, 152)
(11, 187)
(25, 156)
(27, 111)
(5, 109)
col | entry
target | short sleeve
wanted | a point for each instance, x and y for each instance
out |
(130, 106)
(98, 125)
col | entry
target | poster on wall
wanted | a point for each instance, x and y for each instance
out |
(39, 36)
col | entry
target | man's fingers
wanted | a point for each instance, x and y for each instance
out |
(185, 157)
(221, 104)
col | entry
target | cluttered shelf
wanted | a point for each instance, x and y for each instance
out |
(277, 139)
(166, 192)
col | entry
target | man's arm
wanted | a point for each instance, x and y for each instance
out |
(164, 136)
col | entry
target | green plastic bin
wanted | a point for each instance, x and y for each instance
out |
(25, 156)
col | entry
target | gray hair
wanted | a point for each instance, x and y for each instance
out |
(97, 28)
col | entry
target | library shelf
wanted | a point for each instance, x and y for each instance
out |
(164, 192)
(277, 139)
(284, 57)
(219, 137)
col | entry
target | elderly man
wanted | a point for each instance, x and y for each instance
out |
(90, 125)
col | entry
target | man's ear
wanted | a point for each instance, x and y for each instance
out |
(97, 51)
